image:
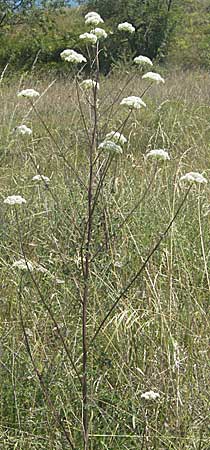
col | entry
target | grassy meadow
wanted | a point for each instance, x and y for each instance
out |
(157, 336)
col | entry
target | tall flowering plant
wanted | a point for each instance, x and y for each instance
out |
(104, 147)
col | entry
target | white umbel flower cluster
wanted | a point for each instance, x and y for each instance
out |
(142, 60)
(28, 93)
(100, 33)
(89, 84)
(194, 177)
(110, 146)
(150, 395)
(153, 77)
(23, 130)
(41, 178)
(23, 265)
(14, 200)
(127, 27)
(73, 57)
(158, 154)
(116, 137)
(88, 38)
(93, 18)
(133, 102)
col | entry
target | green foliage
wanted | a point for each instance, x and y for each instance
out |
(39, 36)
(190, 45)
(173, 31)
(154, 22)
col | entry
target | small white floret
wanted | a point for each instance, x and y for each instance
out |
(158, 154)
(88, 38)
(194, 177)
(28, 93)
(111, 147)
(23, 130)
(133, 102)
(142, 60)
(23, 265)
(73, 57)
(41, 178)
(14, 200)
(116, 137)
(125, 26)
(150, 395)
(153, 77)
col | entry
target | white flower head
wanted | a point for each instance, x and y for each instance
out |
(41, 269)
(111, 147)
(142, 60)
(100, 33)
(158, 154)
(153, 77)
(22, 265)
(72, 56)
(133, 102)
(125, 26)
(89, 84)
(28, 93)
(93, 18)
(150, 395)
(88, 38)
(14, 200)
(41, 178)
(23, 130)
(116, 137)
(194, 177)
(59, 281)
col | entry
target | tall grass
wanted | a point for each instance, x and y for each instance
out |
(157, 336)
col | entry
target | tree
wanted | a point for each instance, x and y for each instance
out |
(14, 11)
(27, 29)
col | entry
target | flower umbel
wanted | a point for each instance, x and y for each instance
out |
(28, 93)
(194, 177)
(158, 154)
(116, 137)
(126, 26)
(153, 77)
(41, 178)
(22, 265)
(100, 33)
(150, 395)
(88, 38)
(89, 84)
(72, 56)
(142, 60)
(111, 147)
(23, 130)
(133, 102)
(14, 200)
(93, 18)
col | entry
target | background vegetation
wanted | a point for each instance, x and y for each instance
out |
(173, 32)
